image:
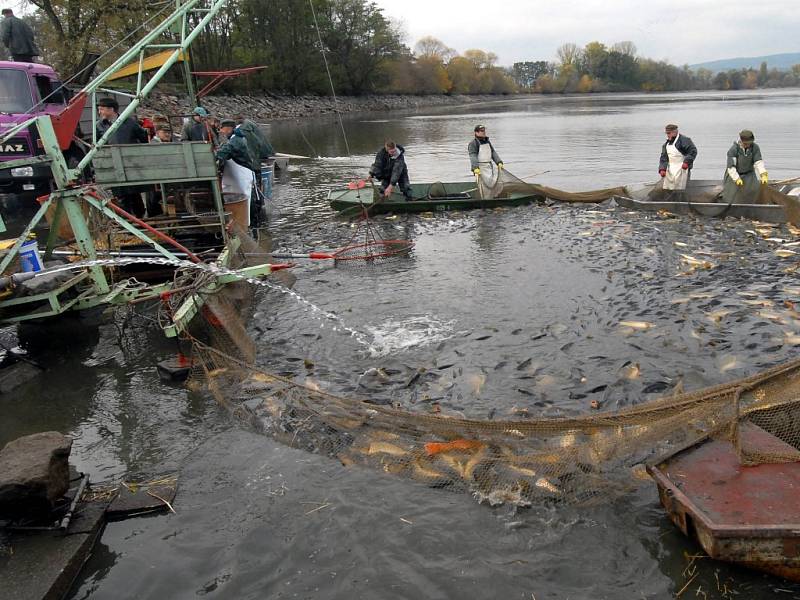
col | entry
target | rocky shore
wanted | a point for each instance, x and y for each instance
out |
(265, 107)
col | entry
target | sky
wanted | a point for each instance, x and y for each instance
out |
(679, 31)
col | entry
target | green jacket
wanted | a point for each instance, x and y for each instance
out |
(236, 149)
(256, 140)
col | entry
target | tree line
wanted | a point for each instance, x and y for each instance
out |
(365, 52)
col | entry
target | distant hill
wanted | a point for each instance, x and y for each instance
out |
(782, 62)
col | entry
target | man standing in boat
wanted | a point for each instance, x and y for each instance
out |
(745, 172)
(677, 158)
(483, 157)
(391, 170)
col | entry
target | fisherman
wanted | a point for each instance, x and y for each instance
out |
(260, 150)
(677, 158)
(391, 170)
(745, 170)
(199, 128)
(240, 167)
(163, 134)
(482, 154)
(129, 132)
(17, 36)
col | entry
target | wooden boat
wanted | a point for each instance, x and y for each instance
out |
(703, 197)
(427, 197)
(747, 515)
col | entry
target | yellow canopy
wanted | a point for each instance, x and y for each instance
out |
(150, 63)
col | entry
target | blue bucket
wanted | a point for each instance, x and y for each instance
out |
(29, 257)
(267, 174)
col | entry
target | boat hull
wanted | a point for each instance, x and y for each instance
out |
(427, 197)
(704, 198)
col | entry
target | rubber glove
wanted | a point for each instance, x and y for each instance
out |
(764, 178)
(499, 166)
(739, 182)
(685, 166)
(662, 172)
(477, 170)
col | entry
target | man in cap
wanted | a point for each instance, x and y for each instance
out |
(677, 158)
(391, 170)
(163, 134)
(481, 152)
(240, 167)
(17, 36)
(745, 171)
(128, 132)
(198, 128)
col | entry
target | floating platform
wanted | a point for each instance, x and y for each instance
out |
(749, 515)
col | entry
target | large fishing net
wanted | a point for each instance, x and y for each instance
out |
(578, 460)
(500, 183)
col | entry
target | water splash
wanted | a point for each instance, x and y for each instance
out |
(413, 332)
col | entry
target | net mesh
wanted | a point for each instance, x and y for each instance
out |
(579, 460)
(505, 184)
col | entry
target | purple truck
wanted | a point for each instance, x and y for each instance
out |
(28, 90)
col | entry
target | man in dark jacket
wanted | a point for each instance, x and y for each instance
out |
(391, 170)
(237, 149)
(199, 128)
(17, 36)
(677, 158)
(129, 132)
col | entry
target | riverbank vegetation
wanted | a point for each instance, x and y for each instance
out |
(366, 53)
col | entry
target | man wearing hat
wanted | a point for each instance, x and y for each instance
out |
(677, 158)
(128, 132)
(745, 172)
(198, 128)
(482, 155)
(240, 168)
(163, 134)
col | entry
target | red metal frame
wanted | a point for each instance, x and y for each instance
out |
(219, 77)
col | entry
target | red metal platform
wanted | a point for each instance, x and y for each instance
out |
(744, 514)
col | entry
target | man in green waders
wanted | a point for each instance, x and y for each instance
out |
(745, 172)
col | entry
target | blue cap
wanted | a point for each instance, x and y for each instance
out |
(201, 111)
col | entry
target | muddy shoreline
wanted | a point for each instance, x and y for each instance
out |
(264, 107)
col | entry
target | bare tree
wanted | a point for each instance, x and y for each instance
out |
(626, 48)
(430, 47)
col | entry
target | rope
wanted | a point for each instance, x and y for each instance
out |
(330, 79)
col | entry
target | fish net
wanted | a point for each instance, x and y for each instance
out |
(577, 460)
(504, 183)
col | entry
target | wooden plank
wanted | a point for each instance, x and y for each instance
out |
(119, 166)
(189, 160)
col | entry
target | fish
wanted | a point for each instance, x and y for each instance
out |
(545, 484)
(424, 472)
(473, 462)
(696, 262)
(476, 382)
(638, 325)
(523, 470)
(630, 371)
(640, 472)
(728, 363)
(524, 364)
(784, 253)
(434, 448)
(312, 385)
(262, 377)
(217, 372)
(385, 448)
(791, 338)
(681, 244)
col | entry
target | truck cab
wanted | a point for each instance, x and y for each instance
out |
(26, 90)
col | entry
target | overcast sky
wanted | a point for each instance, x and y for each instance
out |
(680, 31)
